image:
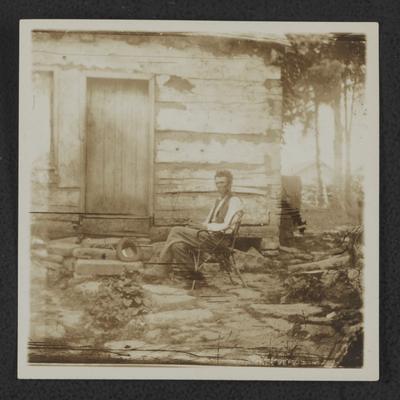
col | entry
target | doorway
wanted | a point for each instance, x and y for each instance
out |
(118, 146)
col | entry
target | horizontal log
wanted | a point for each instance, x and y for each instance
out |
(269, 136)
(242, 69)
(197, 107)
(173, 89)
(169, 46)
(228, 120)
(190, 201)
(50, 198)
(243, 173)
(182, 207)
(208, 185)
(192, 185)
(175, 218)
(44, 216)
(329, 263)
(182, 149)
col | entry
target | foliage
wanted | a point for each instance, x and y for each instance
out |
(316, 68)
(304, 288)
(118, 300)
(334, 286)
(325, 69)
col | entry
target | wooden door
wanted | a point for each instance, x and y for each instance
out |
(117, 150)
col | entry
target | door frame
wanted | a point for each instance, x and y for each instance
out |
(83, 134)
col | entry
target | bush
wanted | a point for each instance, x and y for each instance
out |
(118, 300)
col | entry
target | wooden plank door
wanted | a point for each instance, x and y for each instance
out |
(117, 150)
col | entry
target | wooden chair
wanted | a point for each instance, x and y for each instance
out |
(219, 247)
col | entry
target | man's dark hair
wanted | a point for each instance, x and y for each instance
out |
(226, 174)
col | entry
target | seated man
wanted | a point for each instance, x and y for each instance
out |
(182, 239)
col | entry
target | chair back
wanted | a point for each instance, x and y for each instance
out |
(235, 224)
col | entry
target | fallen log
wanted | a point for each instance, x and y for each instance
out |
(329, 263)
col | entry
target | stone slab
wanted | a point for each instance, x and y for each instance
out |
(106, 267)
(164, 297)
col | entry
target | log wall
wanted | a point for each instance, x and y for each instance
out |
(217, 105)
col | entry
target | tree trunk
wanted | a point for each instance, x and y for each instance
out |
(320, 189)
(338, 155)
(348, 127)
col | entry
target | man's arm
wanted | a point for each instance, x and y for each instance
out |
(235, 205)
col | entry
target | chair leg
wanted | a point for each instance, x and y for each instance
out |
(196, 260)
(226, 268)
(236, 268)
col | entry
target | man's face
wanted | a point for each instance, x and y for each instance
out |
(222, 184)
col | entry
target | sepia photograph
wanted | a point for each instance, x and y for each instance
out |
(196, 196)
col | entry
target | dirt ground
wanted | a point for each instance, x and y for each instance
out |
(280, 319)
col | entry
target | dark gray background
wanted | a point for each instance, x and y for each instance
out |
(387, 13)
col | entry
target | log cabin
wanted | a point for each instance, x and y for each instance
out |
(129, 128)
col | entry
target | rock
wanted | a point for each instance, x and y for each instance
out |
(54, 258)
(290, 250)
(285, 310)
(254, 252)
(353, 273)
(49, 265)
(69, 263)
(88, 288)
(174, 318)
(39, 253)
(94, 253)
(164, 297)
(331, 315)
(106, 267)
(36, 242)
(250, 260)
(285, 257)
(69, 239)
(61, 248)
(37, 271)
(269, 244)
(270, 253)
(42, 254)
(103, 243)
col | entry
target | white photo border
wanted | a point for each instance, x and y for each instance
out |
(370, 369)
